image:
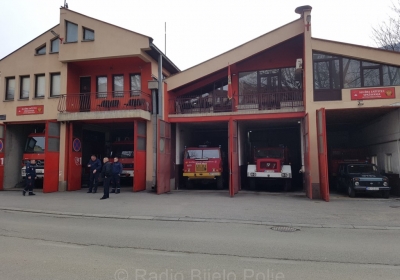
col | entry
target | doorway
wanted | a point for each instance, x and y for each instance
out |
(85, 90)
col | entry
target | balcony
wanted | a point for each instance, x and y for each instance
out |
(104, 102)
(288, 101)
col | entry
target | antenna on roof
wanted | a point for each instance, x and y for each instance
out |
(65, 4)
(165, 38)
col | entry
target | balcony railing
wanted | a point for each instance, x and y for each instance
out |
(104, 101)
(248, 101)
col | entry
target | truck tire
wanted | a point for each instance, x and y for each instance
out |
(189, 184)
(252, 184)
(220, 183)
(386, 194)
(350, 191)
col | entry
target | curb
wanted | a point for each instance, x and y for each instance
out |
(200, 220)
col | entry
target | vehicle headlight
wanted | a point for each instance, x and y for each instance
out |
(357, 183)
(385, 184)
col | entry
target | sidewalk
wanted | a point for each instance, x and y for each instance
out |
(286, 209)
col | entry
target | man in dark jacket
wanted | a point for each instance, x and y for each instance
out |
(30, 177)
(107, 174)
(95, 168)
(116, 173)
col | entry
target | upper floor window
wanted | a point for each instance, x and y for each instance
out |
(10, 88)
(55, 84)
(72, 32)
(24, 88)
(136, 84)
(118, 85)
(88, 34)
(40, 85)
(55, 45)
(41, 50)
(102, 86)
(332, 73)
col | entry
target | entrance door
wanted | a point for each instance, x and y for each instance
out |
(85, 94)
(74, 149)
(306, 156)
(2, 154)
(322, 155)
(52, 156)
(233, 158)
(139, 167)
(163, 157)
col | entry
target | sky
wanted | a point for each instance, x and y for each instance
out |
(197, 30)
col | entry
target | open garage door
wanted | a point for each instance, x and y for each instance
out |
(74, 157)
(2, 152)
(140, 157)
(233, 158)
(163, 157)
(322, 154)
(306, 158)
(52, 157)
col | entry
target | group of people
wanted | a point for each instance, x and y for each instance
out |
(110, 172)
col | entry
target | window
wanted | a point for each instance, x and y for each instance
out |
(351, 73)
(388, 163)
(24, 89)
(118, 85)
(72, 32)
(41, 50)
(391, 75)
(327, 82)
(55, 84)
(10, 88)
(39, 85)
(136, 84)
(102, 86)
(374, 160)
(55, 45)
(88, 34)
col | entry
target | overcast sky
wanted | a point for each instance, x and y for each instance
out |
(196, 30)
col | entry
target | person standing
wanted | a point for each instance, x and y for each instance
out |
(116, 173)
(107, 174)
(30, 177)
(95, 168)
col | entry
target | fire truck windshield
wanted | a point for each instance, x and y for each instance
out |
(35, 144)
(269, 153)
(199, 153)
(123, 151)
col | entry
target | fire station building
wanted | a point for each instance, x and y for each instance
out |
(88, 87)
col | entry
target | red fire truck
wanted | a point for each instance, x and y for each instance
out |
(124, 151)
(203, 164)
(270, 163)
(34, 149)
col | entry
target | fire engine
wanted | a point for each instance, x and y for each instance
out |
(203, 164)
(124, 151)
(34, 149)
(270, 163)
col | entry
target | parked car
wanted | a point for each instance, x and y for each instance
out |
(362, 177)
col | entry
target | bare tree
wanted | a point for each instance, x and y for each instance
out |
(387, 34)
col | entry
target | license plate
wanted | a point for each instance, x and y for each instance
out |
(372, 189)
(269, 171)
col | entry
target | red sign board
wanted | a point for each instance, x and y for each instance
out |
(30, 110)
(373, 93)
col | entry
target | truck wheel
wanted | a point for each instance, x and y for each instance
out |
(386, 194)
(189, 184)
(252, 184)
(220, 183)
(350, 191)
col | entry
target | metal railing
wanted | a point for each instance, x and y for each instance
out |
(246, 101)
(104, 101)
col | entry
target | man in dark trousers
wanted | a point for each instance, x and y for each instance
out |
(95, 169)
(107, 174)
(30, 177)
(116, 173)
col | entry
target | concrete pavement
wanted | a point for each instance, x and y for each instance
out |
(285, 209)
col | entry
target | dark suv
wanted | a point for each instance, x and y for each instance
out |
(362, 177)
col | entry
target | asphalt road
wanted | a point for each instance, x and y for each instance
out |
(37, 246)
